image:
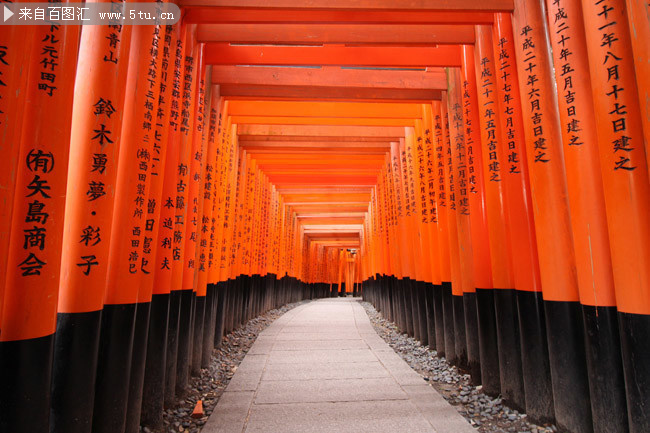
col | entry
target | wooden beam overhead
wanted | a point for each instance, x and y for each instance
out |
(217, 53)
(350, 121)
(329, 93)
(330, 77)
(321, 133)
(375, 34)
(325, 109)
(439, 5)
(223, 15)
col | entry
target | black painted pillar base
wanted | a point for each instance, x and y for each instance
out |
(220, 312)
(510, 352)
(415, 308)
(153, 389)
(635, 335)
(566, 349)
(535, 366)
(487, 338)
(405, 286)
(422, 313)
(471, 336)
(448, 315)
(183, 357)
(73, 372)
(197, 334)
(172, 347)
(431, 317)
(439, 318)
(25, 380)
(138, 362)
(113, 368)
(209, 324)
(605, 370)
(460, 338)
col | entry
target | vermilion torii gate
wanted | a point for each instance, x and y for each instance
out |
(477, 170)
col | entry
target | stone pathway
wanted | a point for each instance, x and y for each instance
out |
(321, 367)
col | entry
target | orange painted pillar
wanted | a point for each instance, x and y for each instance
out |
(444, 293)
(564, 325)
(474, 157)
(428, 218)
(430, 171)
(33, 256)
(207, 223)
(487, 341)
(497, 326)
(527, 302)
(98, 105)
(466, 328)
(413, 234)
(184, 205)
(452, 299)
(157, 242)
(193, 219)
(588, 217)
(125, 267)
(14, 64)
(156, 118)
(402, 206)
(626, 185)
(162, 265)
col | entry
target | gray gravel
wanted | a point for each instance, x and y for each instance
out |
(214, 379)
(485, 413)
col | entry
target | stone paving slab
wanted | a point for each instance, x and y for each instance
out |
(322, 368)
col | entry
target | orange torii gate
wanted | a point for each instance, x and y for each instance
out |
(477, 170)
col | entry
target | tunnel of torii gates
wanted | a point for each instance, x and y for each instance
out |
(478, 170)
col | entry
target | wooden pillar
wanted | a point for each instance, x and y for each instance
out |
(126, 267)
(552, 220)
(33, 256)
(479, 211)
(523, 243)
(97, 114)
(588, 217)
(624, 168)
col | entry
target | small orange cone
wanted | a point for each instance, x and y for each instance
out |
(198, 410)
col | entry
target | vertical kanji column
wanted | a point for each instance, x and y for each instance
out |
(33, 259)
(527, 302)
(623, 164)
(94, 148)
(588, 216)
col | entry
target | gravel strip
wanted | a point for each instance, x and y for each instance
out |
(214, 379)
(484, 413)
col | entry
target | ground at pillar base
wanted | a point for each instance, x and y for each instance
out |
(213, 380)
(322, 368)
(486, 414)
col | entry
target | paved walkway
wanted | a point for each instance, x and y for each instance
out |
(322, 368)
